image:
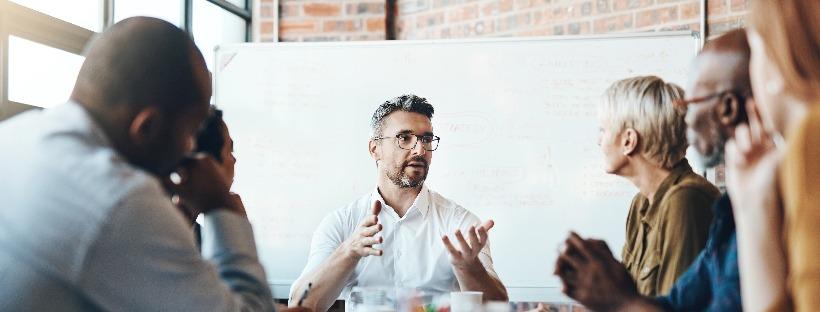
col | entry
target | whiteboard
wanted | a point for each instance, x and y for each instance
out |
(516, 117)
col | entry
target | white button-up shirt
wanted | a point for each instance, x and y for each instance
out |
(414, 255)
(81, 229)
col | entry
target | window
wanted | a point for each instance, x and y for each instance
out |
(84, 13)
(45, 39)
(40, 75)
(169, 10)
(213, 26)
(239, 3)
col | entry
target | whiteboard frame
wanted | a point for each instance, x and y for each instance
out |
(666, 34)
(280, 288)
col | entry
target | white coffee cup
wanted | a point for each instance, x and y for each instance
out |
(465, 301)
(497, 306)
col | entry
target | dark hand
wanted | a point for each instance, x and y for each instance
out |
(592, 276)
(188, 211)
(203, 187)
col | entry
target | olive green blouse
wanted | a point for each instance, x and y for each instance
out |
(663, 238)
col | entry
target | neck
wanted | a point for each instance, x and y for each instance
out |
(647, 177)
(112, 123)
(108, 121)
(400, 199)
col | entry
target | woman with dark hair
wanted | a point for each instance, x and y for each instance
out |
(214, 140)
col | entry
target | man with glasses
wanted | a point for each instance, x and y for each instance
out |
(397, 235)
(592, 276)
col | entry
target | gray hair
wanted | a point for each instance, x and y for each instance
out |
(406, 103)
(646, 104)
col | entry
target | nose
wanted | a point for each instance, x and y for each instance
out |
(419, 148)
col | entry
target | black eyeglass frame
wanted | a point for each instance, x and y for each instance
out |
(419, 138)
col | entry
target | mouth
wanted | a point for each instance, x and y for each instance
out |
(417, 165)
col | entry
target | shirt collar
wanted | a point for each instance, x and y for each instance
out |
(422, 202)
(648, 210)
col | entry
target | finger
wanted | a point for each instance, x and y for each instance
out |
(577, 243)
(371, 230)
(377, 208)
(475, 244)
(755, 127)
(235, 196)
(370, 251)
(743, 141)
(452, 249)
(482, 236)
(488, 224)
(560, 266)
(731, 154)
(369, 221)
(465, 247)
(600, 248)
(570, 263)
(756, 124)
(370, 241)
(568, 289)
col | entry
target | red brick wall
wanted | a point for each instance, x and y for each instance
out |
(328, 20)
(425, 19)
(334, 20)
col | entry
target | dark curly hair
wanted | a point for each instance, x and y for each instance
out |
(210, 138)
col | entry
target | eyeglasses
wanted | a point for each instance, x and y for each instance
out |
(685, 102)
(408, 141)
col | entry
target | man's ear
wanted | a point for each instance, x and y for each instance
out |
(145, 126)
(730, 111)
(629, 141)
(372, 147)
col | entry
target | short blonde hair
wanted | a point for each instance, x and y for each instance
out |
(647, 105)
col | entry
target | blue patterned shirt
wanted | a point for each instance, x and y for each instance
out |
(712, 282)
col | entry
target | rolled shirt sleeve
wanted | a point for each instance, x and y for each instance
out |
(329, 235)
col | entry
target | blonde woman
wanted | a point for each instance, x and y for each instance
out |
(643, 139)
(780, 196)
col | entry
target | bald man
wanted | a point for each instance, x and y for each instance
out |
(86, 223)
(719, 87)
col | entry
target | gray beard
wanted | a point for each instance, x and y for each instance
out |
(716, 157)
(403, 181)
(712, 160)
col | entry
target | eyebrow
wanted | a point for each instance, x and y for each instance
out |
(407, 131)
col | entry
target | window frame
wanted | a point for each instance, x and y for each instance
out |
(21, 21)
